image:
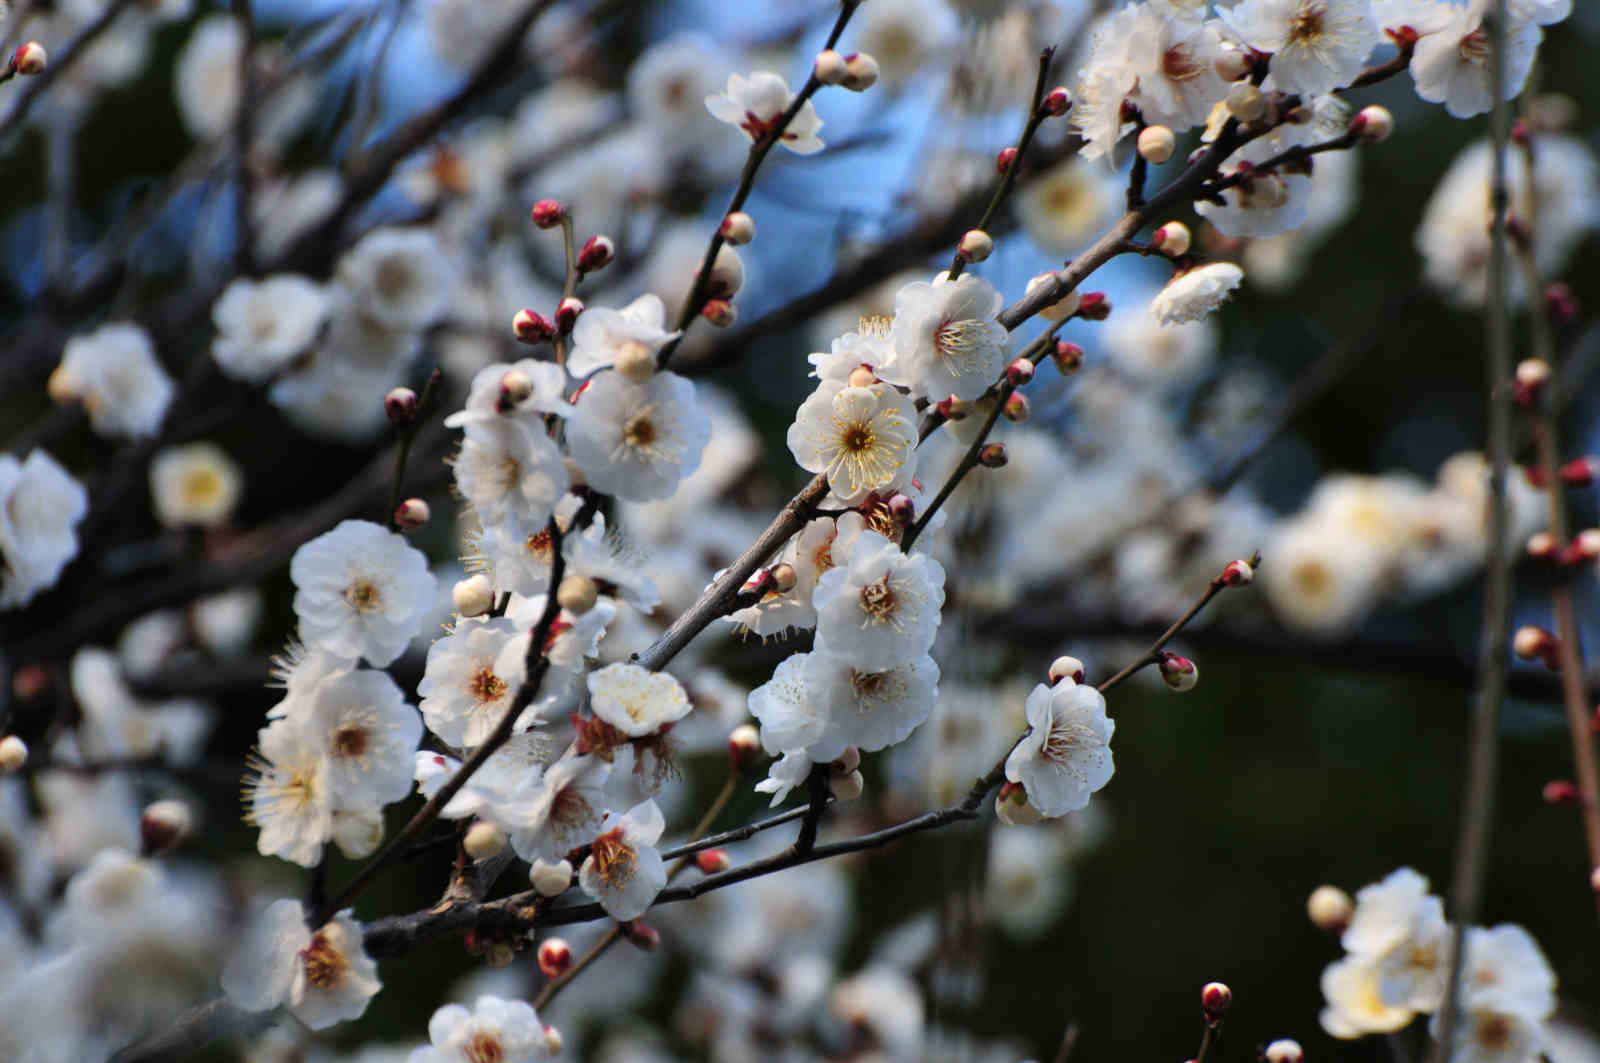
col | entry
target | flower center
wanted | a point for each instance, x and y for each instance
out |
(538, 544)
(348, 740)
(202, 485)
(484, 1048)
(1494, 1032)
(878, 600)
(640, 431)
(1179, 64)
(485, 686)
(1066, 740)
(1474, 47)
(857, 437)
(363, 596)
(961, 344)
(323, 962)
(614, 859)
(1313, 578)
(394, 278)
(1307, 25)
(568, 808)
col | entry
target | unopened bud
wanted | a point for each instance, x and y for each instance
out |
(473, 596)
(903, 508)
(577, 594)
(1532, 374)
(1372, 124)
(1330, 908)
(1283, 1050)
(555, 956)
(1017, 407)
(550, 880)
(597, 253)
(163, 825)
(1055, 102)
(547, 213)
(846, 787)
(1172, 239)
(567, 313)
(1065, 667)
(744, 746)
(860, 72)
(1178, 672)
(1231, 64)
(739, 228)
(641, 935)
(553, 1041)
(1543, 546)
(1559, 792)
(1237, 573)
(531, 327)
(1004, 159)
(1580, 472)
(411, 514)
(635, 361)
(1561, 304)
(484, 840)
(710, 861)
(727, 274)
(719, 312)
(13, 754)
(499, 955)
(861, 377)
(1019, 372)
(976, 245)
(1011, 806)
(1533, 643)
(30, 59)
(1094, 306)
(1068, 357)
(515, 388)
(784, 577)
(1215, 1000)
(1245, 102)
(993, 456)
(953, 409)
(401, 406)
(847, 762)
(758, 585)
(830, 68)
(1157, 143)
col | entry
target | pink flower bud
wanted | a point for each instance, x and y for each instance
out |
(1019, 372)
(1231, 64)
(903, 509)
(597, 253)
(1532, 374)
(719, 312)
(530, 327)
(1068, 357)
(1283, 1050)
(567, 313)
(861, 72)
(1560, 792)
(1237, 573)
(830, 68)
(1172, 239)
(401, 406)
(555, 956)
(759, 583)
(1065, 667)
(29, 59)
(710, 861)
(1215, 1000)
(727, 274)
(473, 596)
(553, 1041)
(1580, 472)
(641, 935)
(1017, 407)
(1330, 908)
(1372, 124)
(1157, 144)
(1532, 643)
(163, 825)
(993, 456)
(739, 228)
(744, 747)
(547, 213)
(1178, 672)
(1094, 306)
(1542, 546)
(976, 245)
(1003, 161)
(1056, 102)
(411, 514)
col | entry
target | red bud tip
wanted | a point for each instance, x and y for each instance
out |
(567, 313)
(993, 456)
(759, 583)
(1519, 132)
(1238, 573)
(719, 312)
(555, 956)
(1019, 372)
(1534, 474)
(530, 327)
(597, 253)
(1215, 999)
(1068, 357)
(744, 747)
(641, 935)
(1056, 102)
(1003, 161)
(710, 861)
(903, 509)
(1017, 407)
(1561, 304)
(1584, 548)
(1560, 792)
(400, 405)
(1580, 472)
(411, 514)
(547, 213)
(29, 59)
(1094, 306)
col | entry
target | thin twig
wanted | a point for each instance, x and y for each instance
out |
(1217, 585)
(74, 49)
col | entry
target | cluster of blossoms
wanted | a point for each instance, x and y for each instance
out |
(1398, 948)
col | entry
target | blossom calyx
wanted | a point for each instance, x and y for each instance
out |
(1068, 357)
(1094, 306)
(1055, 102)
(567, 313)
(531, 327)
(1215, 999)
(719, 312)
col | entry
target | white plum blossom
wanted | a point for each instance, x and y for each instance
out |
(1354, 1005)
(361, 590)
(511, 472)
(637, 440)
(368, 734)
(603, 334)
(402, 279)
(113, 371)
(813, 550)
(322, 977)
(791, 720)
(1316, 45)
(546, 393)
(882, 609)
(1155, 58)
(1195, 293)
(206, 77)
(505, 791)
(862, 438)
(195, 484)
(565, 811)
(635, 700)
(262, 326)
(41, 506)
(1066, 755)
(493, 1031)
(865, 346)
(1507, 972)
(755, 104)
(946, 339)
(624, 870)
(784, 774)
(1451, 62)
(287, 794)
(868, 710)
(462, 697)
